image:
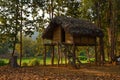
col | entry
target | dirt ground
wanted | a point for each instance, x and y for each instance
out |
(86, 72)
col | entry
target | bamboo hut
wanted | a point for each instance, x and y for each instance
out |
(73, 32)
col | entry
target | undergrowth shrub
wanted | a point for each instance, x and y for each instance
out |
(24, 64)
(83, 58)
(2, 63)
(34, 62)
(92, 60)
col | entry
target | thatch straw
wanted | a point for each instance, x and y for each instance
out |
(73, 26)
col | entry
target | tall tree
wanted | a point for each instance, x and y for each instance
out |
(73, 8)
(18, 18)
(113, 28)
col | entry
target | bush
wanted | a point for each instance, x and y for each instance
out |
(24, 64)
(92, 60)
(2, 63)
(34, 62)
(83, 53)
(83, 58)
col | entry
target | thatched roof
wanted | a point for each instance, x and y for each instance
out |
(73, 26)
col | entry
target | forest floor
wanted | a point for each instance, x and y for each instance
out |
(86, 72)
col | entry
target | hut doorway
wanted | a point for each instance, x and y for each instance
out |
(62, 35)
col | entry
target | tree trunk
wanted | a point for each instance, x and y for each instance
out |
(13, 59)
(14, 44)
(21, 38)
(13, 62)
(102, 55)
(96, 53)
(112, 28)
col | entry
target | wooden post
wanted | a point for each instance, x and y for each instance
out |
(52, 61)
(74, 55)
(44, 55)
(61, 56)
(66, 59)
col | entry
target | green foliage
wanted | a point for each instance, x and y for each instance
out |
(83, 53)
(34, 18)
(73, 8)
(2, 63)
(92, 59)
(4, 48)
(29, 47)
(13, 21)
(34, 62)
(24, 64)
(83, 58)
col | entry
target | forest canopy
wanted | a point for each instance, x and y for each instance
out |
(20, 18)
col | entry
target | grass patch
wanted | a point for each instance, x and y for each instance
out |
(3, 62)
(35, 60)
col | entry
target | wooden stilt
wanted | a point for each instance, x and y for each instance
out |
(44, 55)
(65, 59)
(74, 55)
(61, 57)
